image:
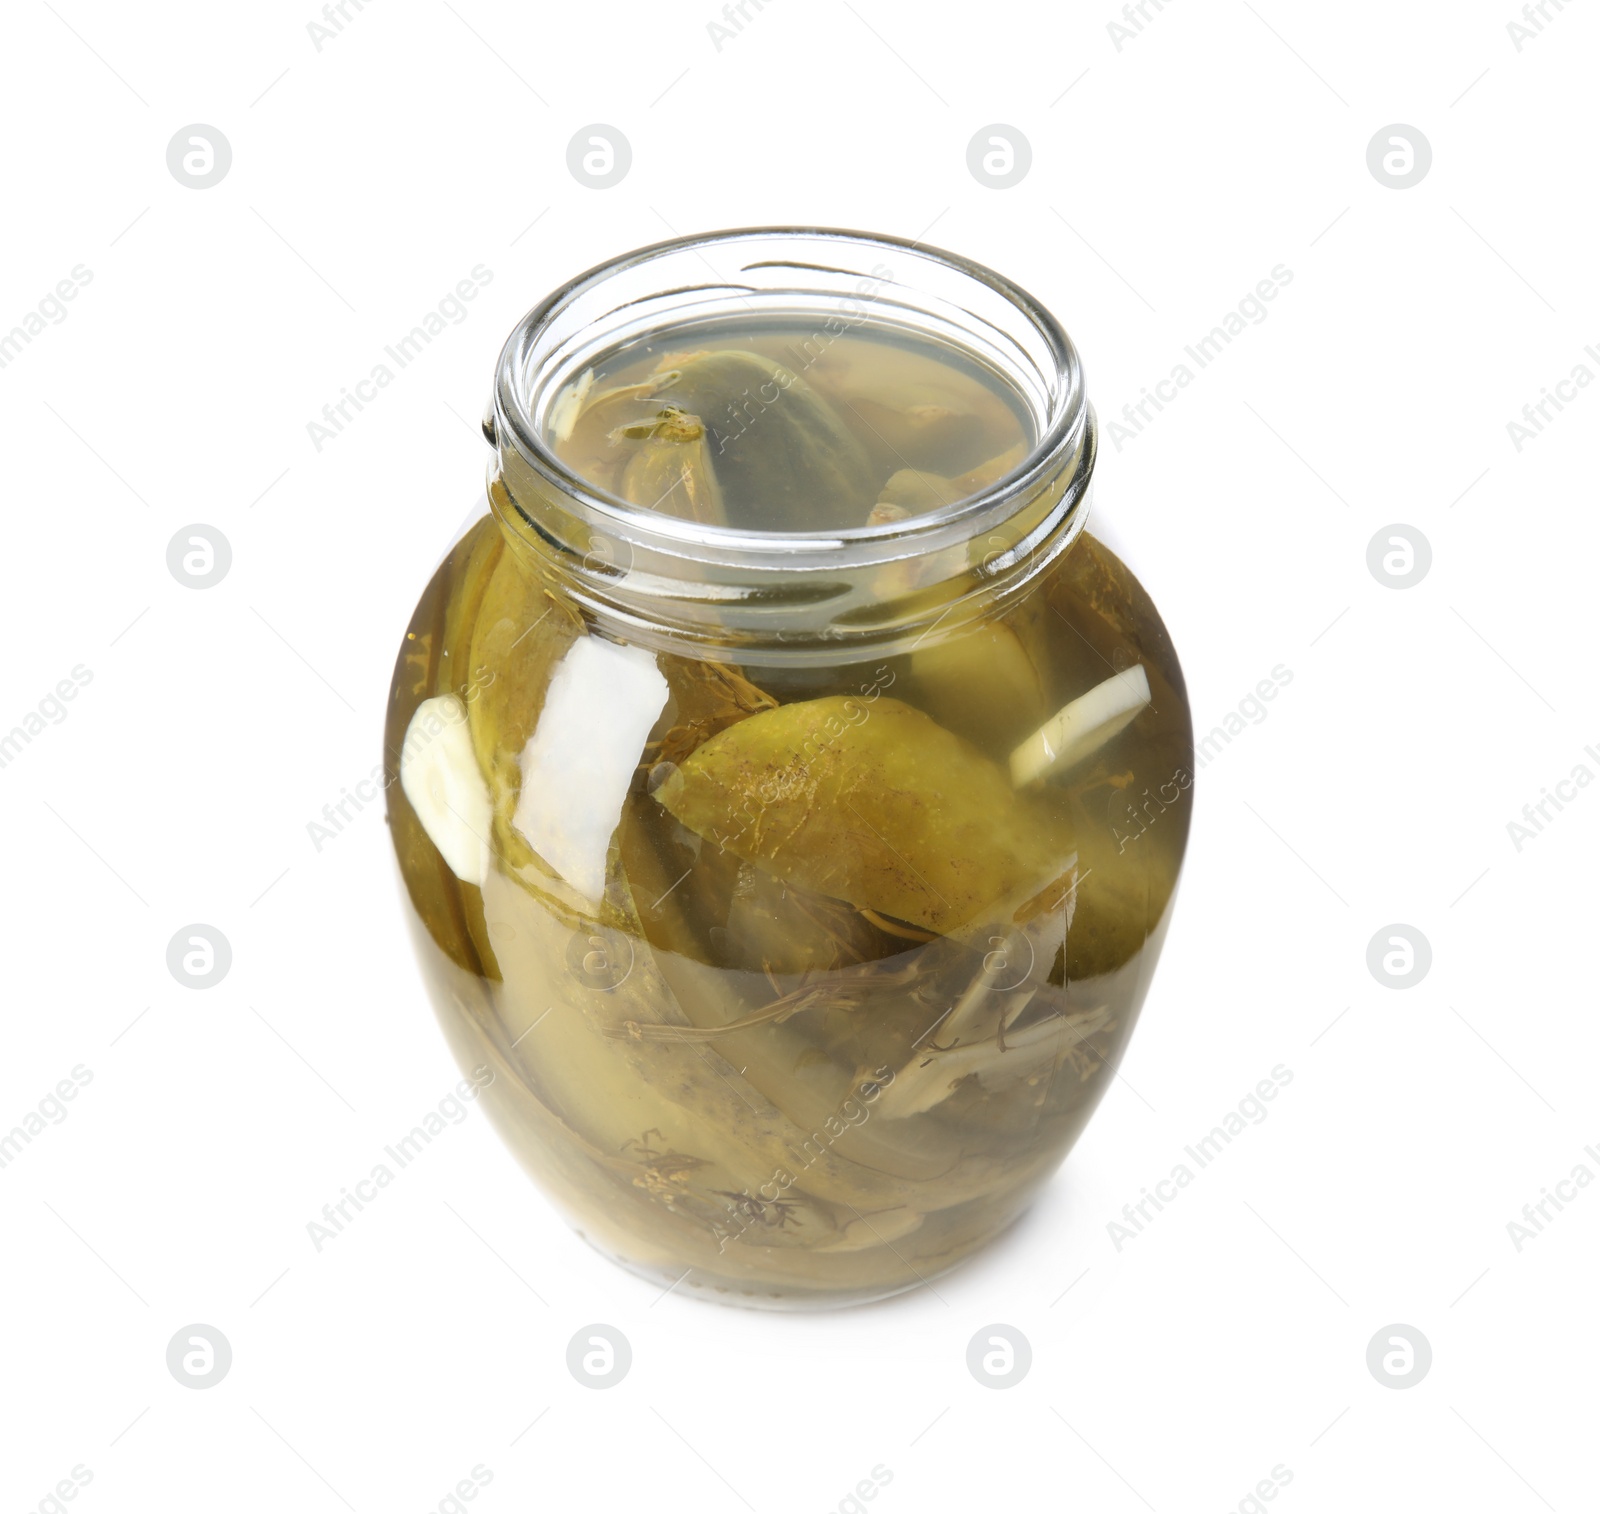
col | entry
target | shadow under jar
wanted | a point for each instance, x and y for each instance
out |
(789, 793)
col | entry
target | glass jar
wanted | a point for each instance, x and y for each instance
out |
(791, 892)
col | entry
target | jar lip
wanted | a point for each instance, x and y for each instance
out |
(1066, 431)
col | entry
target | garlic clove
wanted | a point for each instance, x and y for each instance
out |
(601, 705)
(439, 774)
(1080, 729)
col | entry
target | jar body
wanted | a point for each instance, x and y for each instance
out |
(655, 920)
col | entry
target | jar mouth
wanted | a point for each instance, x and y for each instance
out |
(648, 289)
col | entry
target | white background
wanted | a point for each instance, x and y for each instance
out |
(1167, 177)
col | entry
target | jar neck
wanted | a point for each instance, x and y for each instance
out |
(815, 596)
(669, 583)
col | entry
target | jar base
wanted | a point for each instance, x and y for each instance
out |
(790, 1300)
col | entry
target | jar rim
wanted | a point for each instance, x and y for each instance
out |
(1066, 430)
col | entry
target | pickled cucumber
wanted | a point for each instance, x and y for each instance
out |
(876, 804)
(778, 452)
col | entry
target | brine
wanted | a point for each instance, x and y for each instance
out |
(799, 975)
